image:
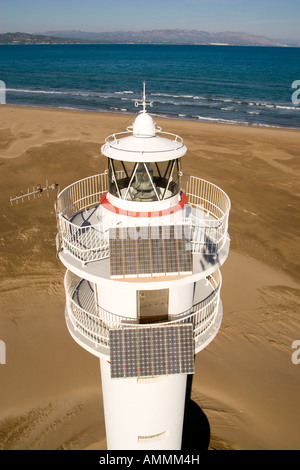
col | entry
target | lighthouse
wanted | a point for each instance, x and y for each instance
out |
(143, 244)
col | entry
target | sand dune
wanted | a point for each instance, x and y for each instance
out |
(245, 381)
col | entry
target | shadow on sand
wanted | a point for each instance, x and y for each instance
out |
(196, 429)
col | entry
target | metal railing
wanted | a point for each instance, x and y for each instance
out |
(208, 223)
(81, 195)
(87, 243)
(114, 139)
(94, 322)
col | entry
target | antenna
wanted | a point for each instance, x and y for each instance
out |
(36, 191)
(143, 102)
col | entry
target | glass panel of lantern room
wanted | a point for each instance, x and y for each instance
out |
(144, 181)
(168, 178)
(119, 174)
(112, 189)
(142, 187)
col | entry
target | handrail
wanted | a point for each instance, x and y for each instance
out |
(96, 325)
(115, 137)
(90, 243)
(92, 187)
(215, 191)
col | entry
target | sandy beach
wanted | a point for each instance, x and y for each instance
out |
(245, 382)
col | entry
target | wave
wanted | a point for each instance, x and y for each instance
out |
(229, 109)
(273, 106)
(171, 95)
(181, 106)
(21, 90)
(293, 108)
(55, 92)
(180, 100)
(239, 123)
(67, 107)
(220, 120)
(220, 100)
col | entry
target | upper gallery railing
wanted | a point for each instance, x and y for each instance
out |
(114, 139)
(208, 220)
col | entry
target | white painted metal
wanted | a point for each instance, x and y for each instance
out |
(144, 142)
(163, 148)
(144, 126)
(120, 301)
(143, 413)
(152, 206)
(210, 205)
(181, 299)
(92, 314)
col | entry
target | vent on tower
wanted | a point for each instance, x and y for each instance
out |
(151, 351)
(150, 251)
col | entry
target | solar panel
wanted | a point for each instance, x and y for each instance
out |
(150, 251)
(152, 351)
(172, 350)
(159, 353)
(144, 355)
(116, 351)
(130, 353)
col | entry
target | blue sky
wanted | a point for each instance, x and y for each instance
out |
(273, 18)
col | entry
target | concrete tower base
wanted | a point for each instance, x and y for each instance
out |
(143, 414)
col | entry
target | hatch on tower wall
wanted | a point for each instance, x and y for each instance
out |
(152, 305)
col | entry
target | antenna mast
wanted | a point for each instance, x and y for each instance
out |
(143, 102)
(38, 190)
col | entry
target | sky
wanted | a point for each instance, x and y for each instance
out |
(278, 19)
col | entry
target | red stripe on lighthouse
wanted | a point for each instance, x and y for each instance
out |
(171, 210)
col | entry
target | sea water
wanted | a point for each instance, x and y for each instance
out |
(226, 84)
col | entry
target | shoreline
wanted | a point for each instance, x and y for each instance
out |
(158, 116)
(203, 120)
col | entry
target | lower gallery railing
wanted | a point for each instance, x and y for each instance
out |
(208, 226)
(94, 322)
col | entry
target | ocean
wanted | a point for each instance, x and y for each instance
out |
(225, 84)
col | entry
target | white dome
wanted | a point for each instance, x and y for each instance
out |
(144, 126)
(145, 143)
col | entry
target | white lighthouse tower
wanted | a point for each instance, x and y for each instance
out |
(143, 244)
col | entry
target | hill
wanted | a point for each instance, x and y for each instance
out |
(164, 36)
(24, 38)
(170, 36)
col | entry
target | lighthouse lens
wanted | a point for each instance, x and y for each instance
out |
(143, 181)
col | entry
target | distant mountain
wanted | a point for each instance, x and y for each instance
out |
(163, 36)
(169, 36)
(290, 42)
(24, 38)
